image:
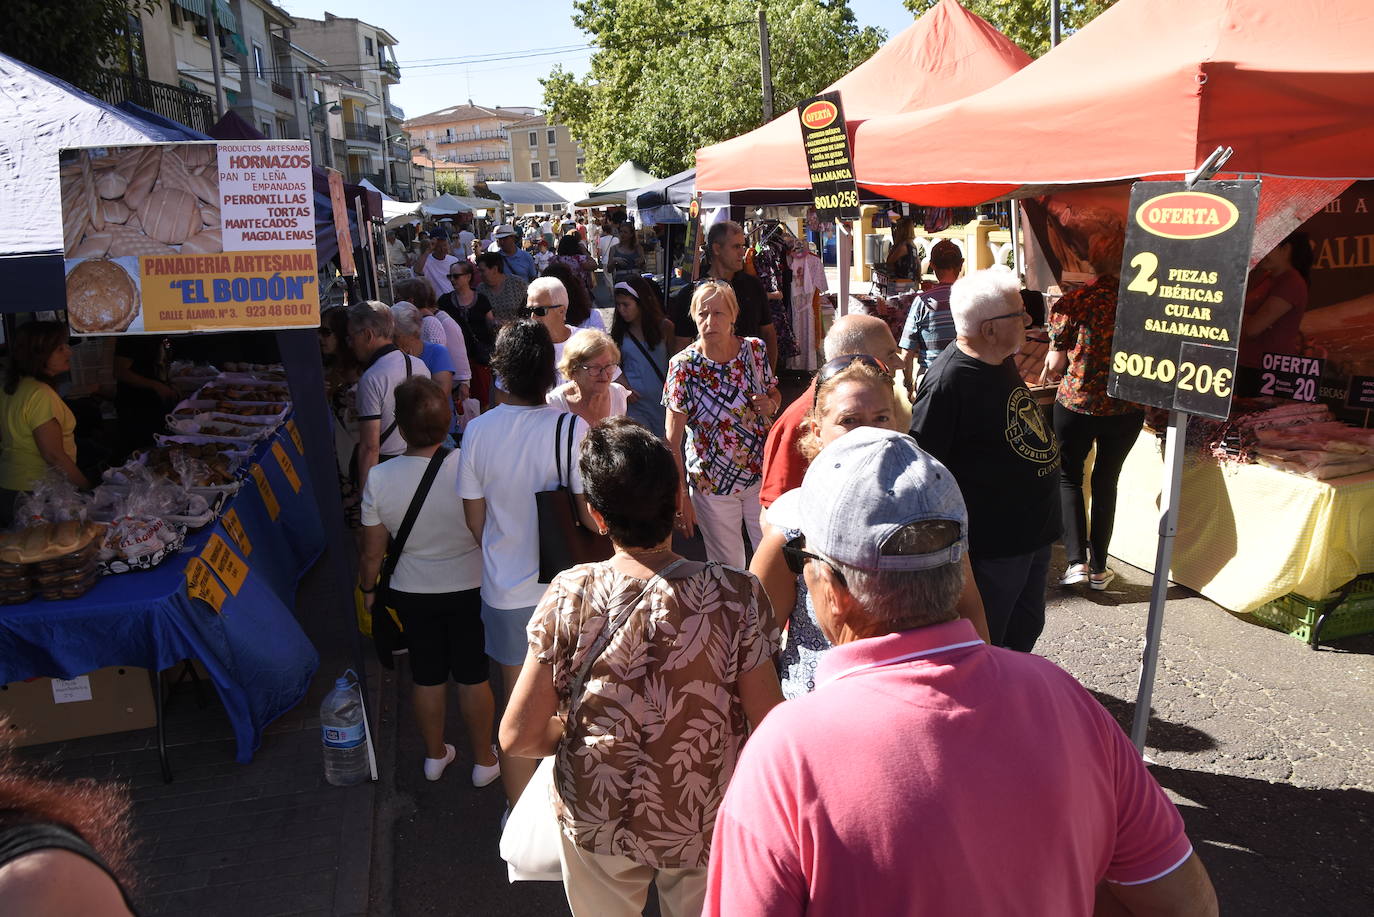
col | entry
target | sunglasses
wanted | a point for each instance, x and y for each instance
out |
(460, 274)
(1021, 313)
(795, 554)
(834, 367)
(540, 311)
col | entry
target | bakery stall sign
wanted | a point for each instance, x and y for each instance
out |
(180, 237)
(1182, 294)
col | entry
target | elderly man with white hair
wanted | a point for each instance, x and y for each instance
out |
(385, 366)
(974, 414)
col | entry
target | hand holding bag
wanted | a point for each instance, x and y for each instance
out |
(530, 842)
(563, 540)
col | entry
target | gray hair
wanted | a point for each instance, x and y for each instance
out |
(906, 599)
(558, 293)
(406, 319)
(978, 296)
(371, 316)
(854, 333)
(721, 231)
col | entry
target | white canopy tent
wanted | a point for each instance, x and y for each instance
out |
(553, 193)
(371, 187)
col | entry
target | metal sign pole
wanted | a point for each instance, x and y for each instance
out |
(1174, 444)
(843, 240)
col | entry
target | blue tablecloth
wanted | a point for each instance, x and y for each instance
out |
(255, 652)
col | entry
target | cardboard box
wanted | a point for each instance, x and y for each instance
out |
(114, 699)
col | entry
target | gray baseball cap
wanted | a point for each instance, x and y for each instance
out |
(866, 487)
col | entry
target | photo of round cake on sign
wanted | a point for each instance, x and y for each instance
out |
(101, 297)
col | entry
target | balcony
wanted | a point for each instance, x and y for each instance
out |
(193, 109)
(367, 132)
(491, 156)
(392, 70)
(395, 112)
(474, 135)
(283, 90)
(484, 175)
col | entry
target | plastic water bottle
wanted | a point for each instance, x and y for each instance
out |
(344, 735)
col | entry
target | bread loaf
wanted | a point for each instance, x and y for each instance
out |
(115, 211)
(47, 541)
(95, 245)
(198, 155)
(130, 240)
(89, 196)
(144, 175)
(75, 218)
(170, 215)
(110, 185)
(205, 242)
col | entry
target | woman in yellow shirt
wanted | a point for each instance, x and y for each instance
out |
(37, 429)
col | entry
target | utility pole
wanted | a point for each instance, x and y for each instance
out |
(212, 33)
(764, 67)
(1054, 23)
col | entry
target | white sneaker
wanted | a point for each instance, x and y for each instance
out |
(1100, 581)
(435, 767)
(486, 774)
(1075, 574)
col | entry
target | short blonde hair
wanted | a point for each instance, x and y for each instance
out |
(709, 288)
(809, 441)
(583, 346)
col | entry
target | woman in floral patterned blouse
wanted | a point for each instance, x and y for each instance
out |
(1079, 359)
(721, 391)
(647, 737)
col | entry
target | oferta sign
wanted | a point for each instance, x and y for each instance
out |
(828, 157)
(1182, 295)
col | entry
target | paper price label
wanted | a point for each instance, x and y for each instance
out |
(228, 565)
(269, 498)
(295, 432)
(234, 527)
(287, 468)
(201, 584)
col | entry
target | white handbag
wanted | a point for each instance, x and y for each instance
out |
(530, 842)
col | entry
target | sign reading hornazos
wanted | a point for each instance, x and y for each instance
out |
(189, 237)
(828, 158)
(1182, 295)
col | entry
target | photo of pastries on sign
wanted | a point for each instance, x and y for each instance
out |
(102, 297)
(145, 200)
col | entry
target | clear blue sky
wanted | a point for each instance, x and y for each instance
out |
(494, 52)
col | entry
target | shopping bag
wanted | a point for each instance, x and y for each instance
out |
(530, 841)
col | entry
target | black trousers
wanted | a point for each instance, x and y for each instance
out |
(1114, 435)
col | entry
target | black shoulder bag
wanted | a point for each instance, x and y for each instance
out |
(386, 631)
(563, 540)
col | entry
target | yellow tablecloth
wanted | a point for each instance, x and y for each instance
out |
(1247, 534)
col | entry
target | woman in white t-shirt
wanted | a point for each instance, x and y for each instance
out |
(508, 457)
(435, 587)
(590, 361)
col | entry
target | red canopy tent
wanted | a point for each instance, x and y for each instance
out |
(1149, 88)
(946, 54)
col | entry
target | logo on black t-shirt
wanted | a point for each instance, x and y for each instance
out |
(1028, 432)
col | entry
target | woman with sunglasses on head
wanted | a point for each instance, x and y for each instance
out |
(852, 391)
(642, 676)
(721, 391)
(590, 361)
(472, 311)
(643, 334)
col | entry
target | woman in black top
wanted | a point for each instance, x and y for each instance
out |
(472, 312)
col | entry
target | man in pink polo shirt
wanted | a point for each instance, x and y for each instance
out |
(930, 773)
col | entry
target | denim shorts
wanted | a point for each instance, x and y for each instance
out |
(507, 640)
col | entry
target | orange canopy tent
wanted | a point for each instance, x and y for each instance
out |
(946, 54)
(1149, 88)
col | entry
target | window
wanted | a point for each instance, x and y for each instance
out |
(300, 85)
(282, 132)
(258, 69)
(367, 46)
(553, 137)
(266, 130)
(553, 169)
(317, 98)
(534, 138)
(534, 171)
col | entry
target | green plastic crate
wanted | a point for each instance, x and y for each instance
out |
(1297, 615)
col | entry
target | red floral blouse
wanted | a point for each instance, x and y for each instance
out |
(1082, 322)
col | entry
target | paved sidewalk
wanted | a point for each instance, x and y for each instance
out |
(256, 840)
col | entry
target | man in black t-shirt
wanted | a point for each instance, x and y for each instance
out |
(725, 245)
(973, 413)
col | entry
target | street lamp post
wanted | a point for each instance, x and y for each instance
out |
(333, 109)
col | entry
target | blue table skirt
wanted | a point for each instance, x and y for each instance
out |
(255, 652)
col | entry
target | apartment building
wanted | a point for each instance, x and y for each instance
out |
(541, 151)
(374, 144)
(469, 135)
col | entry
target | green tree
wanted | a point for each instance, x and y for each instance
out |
(666, 79)
(72, 39)
(451, 183)
(1027, 22)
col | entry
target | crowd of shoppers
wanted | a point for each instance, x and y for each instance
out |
(897, 586)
